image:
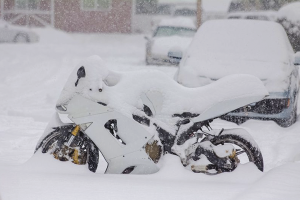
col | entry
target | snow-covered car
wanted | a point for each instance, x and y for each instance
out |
(11, 33)
(259, 48)
(170, 41)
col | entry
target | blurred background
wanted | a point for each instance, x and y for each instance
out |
(123, 16)
(129, 16)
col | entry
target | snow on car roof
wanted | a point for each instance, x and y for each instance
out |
(290, 11)
(223, 47)
(185, 22)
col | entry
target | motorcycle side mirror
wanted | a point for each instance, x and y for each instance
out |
(297, 58)
(80, 74)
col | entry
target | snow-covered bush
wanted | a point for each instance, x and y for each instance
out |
(289, 18)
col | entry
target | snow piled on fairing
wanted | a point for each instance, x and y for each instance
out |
(122, 91)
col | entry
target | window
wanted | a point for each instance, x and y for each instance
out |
(96, 4)
(146, 7)
(163, 9)
(185, 12)
(27, 4)
(20, 4)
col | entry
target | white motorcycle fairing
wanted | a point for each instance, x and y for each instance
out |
(118, 156)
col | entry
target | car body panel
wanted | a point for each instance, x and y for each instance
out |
(10, 33)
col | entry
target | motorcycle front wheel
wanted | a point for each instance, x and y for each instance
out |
(81, 151)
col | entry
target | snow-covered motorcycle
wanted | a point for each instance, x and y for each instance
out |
(134, 118)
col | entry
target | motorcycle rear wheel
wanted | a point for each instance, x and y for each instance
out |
(250, 148)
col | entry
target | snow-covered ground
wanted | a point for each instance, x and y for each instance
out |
(31, 78)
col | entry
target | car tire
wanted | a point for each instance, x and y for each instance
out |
(21, 38)
(253, 152)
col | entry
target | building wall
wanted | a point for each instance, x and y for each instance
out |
(71, 18)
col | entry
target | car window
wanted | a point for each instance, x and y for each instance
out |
(185, 12)
(171, 31)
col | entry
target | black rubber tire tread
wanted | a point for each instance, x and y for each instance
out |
(46, 142)
(252, 152)
(49, 141)
(93, 157)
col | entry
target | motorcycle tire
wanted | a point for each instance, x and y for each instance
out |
(93, 157)
(250, 148)
(55, 139)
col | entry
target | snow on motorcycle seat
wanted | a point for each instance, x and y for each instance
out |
(128, 91)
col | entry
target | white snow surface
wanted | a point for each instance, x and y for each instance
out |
(290, 11)
(224, 47)
(31, 79)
